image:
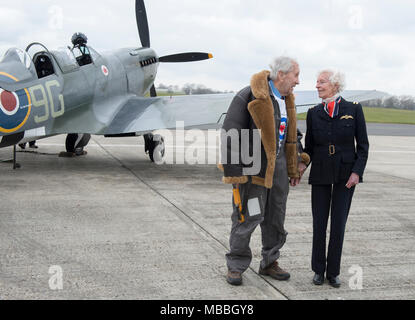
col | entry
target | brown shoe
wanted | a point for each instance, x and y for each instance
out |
(234, 278)
(275, 272)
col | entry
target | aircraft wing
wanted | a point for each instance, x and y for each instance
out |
(141, 115)
(203, 111)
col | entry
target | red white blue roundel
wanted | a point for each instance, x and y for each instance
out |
(105, 70)
(14, 106)
(283, 126)
(9, 102)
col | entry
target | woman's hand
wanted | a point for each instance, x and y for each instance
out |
(295, 182)
(302, 168)
(353, 181)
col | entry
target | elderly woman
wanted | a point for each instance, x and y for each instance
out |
(337, 143)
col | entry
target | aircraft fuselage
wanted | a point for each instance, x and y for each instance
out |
(42, 105)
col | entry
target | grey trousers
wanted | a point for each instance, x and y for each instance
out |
(264, 207)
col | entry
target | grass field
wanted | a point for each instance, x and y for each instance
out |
(383, 115)
(165, 94)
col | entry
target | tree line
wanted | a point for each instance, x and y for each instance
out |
(189, 88)
(393, 102)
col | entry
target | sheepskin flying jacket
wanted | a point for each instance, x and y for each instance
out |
(253, 108)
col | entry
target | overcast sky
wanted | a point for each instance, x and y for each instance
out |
(371, 41)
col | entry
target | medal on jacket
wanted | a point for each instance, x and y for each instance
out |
(332, 108)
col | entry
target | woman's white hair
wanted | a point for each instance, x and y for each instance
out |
(336, 78)
(283, 64)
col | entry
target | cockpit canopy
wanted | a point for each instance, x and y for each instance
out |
(38, 62)
(65, 59)
(19, 64)
(68, 59)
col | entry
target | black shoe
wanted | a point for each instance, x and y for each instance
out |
(318, 279)
(22, 145)
(234, 278)
(334, 282)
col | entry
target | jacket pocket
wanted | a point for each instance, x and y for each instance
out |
(348, 157)
(346, 167)
(348, 127)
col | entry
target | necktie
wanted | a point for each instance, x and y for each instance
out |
(331, 106)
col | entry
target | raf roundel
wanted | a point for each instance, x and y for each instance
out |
(9, 102)
(105, 71)
(15, 106)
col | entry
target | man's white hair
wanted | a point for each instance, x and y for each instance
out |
(336, 78)
(283, 64)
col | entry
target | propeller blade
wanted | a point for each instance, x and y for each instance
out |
(142, 23)
(186, 57)
(153, 92)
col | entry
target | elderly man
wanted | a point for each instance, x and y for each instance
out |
(260, 195)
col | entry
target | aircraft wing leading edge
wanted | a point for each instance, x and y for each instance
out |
(195, 111)
(199, 111)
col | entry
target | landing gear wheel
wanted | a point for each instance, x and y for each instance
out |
(75, 144)
(154, 147)
(70, 143)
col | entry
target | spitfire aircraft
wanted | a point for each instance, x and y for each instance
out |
(79, 92)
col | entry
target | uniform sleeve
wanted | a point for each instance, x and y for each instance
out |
(362, 142)
(309, 143)
(236, 119)
(303, 157)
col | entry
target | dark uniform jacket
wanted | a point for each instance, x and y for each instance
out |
(337, 146)
(254, 108)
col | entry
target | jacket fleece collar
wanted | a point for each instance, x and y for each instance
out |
(262, 112)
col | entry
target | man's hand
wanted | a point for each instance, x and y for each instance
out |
(353, 181)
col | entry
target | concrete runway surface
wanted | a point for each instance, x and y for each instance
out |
(113, 225)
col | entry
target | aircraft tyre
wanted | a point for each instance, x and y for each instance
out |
(154, 146)
(75, 143)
